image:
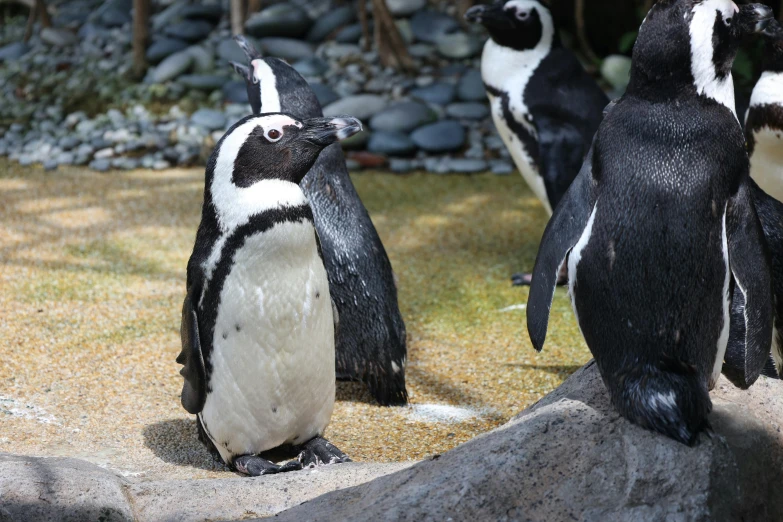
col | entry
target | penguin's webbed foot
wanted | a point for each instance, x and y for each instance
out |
(527, 279)
(319, 451)
(255, 466)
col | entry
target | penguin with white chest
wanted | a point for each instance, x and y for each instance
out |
(764, 122)
(371, 343)
(545, 106)
(659, 226)
(257, 323)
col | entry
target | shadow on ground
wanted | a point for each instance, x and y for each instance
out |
(176, 441)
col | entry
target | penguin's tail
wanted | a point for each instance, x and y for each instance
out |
(667, 397)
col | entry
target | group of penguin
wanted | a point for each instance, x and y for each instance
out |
(672, 254)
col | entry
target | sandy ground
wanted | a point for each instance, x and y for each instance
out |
(92, 270)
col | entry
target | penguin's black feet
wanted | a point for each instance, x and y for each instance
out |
(526, 279)
(319, 451)
(256, 466)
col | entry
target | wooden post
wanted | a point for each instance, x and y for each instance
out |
(237, 17)
(366, 24)
(253, 6)
(391, 47)
(581, 33)
(141, 16)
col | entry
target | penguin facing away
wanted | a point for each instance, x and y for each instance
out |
(257, 323)
(659, 226)
(764, 122)
(371, 342)
(544, 104)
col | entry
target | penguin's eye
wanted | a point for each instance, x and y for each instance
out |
(522, 16)
(274, 134)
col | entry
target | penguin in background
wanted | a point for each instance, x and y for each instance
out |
(257, 324)
(764, 122)
(660, 227)
(371, 342)
(545, 106)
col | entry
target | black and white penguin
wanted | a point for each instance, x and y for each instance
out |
(258, 328)
(660, 225)
(371, 343)
(764, 122)
(545, 106)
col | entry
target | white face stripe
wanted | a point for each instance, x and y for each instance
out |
(702, 51)
(263, 75)
(768, 90)
(526, 6)
(234, 205)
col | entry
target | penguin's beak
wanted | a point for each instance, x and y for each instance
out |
(325, 131)
(757, 19)
(247, 46)
(486, 14)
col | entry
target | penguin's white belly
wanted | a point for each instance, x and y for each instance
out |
(516, 148)
(766, 163)
(273, 373)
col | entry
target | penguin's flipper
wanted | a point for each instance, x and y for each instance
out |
(194, 391)
(749, 263)
(562, 233)
(561, 153)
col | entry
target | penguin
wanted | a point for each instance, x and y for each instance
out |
(545, 106)
(258, 327)
(371, 343)
(660, 226)
(764, 122)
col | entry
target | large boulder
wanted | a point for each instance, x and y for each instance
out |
(572, 457)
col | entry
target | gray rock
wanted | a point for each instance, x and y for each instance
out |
(311, 66)
(161, 165)
(210, 12)
(13, 51)
(391, 143)
(50, 164)
(285, 19)
(421, 50)
(339, 51)
(357, 141)
(616, 69)
(404, 28)
(286, 48)
(466, 165)
(500, 167)
(189, 30)
(362, 106)
(438, 93)
(405, 7)
(401, 166)
(235, 92)
(69, 142)
(324, 93)
(443, 136)
(471, 87)
(173, 66)
(209, 119)
(350, 34)
(427, 26)
(58, 37)
(330, 22)
(60, 489)
(203, 60)
(459, 45)
(65, 158)
(572, 457)
(114, 17)
(164, 47)
(168, 15)
(402, 117)
(104, 153)
(101, 164)
(203, 82)
(468, 111)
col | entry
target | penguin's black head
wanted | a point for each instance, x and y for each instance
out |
(277, 146)
(687, 45)
(773, 53)
(274, 86)
(517, 24)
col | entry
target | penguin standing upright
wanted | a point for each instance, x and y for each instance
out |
(545, 106)
(371, 343)
(659, 226)
(764, 122)
(257, 323)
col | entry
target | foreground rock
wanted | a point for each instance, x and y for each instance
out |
(53, 489)
(571, 457)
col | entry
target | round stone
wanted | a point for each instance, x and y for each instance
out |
(164, 47)
(439, 93)
(330, 22)
(427, 26)
(311, 66)
(324, 93)
(405, 7)
(402, 117)
(443, 136)
(203, 82)
(286, 48)
(468, 111)
(172, 67)
(285, 19)
(210, 119)
(466, 166)
(459, 45)
(362, 106)
(471, 87)
(391, 143)
(189, 30)
(616, 69)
